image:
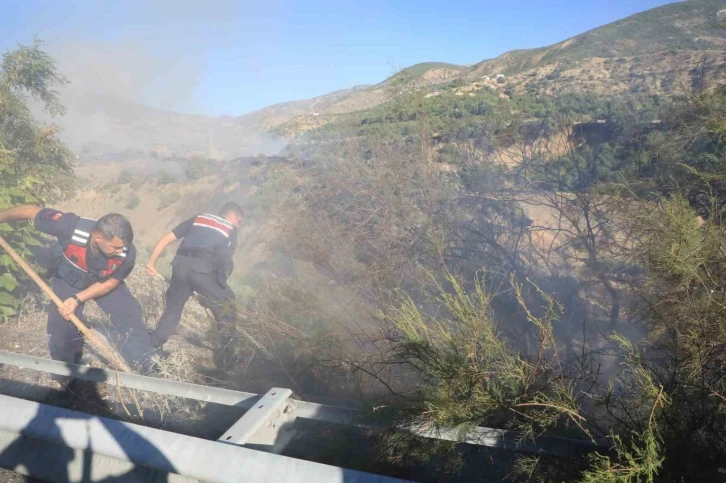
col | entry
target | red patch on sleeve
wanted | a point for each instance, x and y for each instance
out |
(57, 216)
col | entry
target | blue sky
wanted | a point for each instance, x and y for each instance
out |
(223, 57)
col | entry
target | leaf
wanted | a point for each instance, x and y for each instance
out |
(8, 282)
(8, 300)
(16, 192)
(32, 241)
(6, 312)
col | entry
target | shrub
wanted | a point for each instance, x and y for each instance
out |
(133, 201)
(137, 183)
(197, 167)
(165, 177)
(166, 200)
(125, 176)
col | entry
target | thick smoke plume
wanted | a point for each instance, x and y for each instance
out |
(128, 91)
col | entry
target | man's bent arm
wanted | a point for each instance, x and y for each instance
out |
(98, 289)
(18, 213)
(158, 250)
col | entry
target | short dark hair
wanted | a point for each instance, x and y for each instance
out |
(115, 225)
(231, 207)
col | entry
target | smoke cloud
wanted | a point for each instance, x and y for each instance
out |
(130, 89)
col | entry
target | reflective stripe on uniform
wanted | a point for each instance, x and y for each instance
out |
(213, 228)
(218, 219)
(215, 223)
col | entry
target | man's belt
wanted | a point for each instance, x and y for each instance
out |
(198, 254)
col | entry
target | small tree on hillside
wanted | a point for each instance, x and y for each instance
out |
(133, 201)
(125, 177)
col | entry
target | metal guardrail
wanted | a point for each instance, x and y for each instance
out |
(490, 437)
(245, 400)
(63, 445)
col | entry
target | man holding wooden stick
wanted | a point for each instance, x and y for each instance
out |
(91, 261)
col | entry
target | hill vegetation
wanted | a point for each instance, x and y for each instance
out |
(538, 251)
(567, 289)
(690, 25)
(654, 52)
(419, 70)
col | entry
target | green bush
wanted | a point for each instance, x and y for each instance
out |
(133, 201)
(166, 200)
(165, 177)
(137, 183)
(125, 176)
(197, 167)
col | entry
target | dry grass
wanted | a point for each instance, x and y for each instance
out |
(148, 406)
(26, 334)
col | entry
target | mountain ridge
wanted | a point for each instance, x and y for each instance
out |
(654, 52)
(668, 28)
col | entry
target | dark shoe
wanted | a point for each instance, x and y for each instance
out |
(154, 341)
(162, 353)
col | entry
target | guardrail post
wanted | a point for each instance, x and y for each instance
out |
(267, 426)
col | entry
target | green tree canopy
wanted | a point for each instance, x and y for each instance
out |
(34, 164)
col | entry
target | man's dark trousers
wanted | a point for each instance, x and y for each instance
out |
(191, 275)
(66, 343)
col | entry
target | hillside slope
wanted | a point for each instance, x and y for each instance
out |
(689, 25)
(654, 52)
(356, 98)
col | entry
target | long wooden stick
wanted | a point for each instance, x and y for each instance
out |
(100, 345)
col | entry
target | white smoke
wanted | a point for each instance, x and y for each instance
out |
(126, 91)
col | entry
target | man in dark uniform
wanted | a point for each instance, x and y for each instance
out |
(202, 264)
(91, 261)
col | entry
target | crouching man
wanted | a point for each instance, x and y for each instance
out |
(91, 261)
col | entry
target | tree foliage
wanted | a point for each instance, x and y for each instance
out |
(609, 209)
(34, 164)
